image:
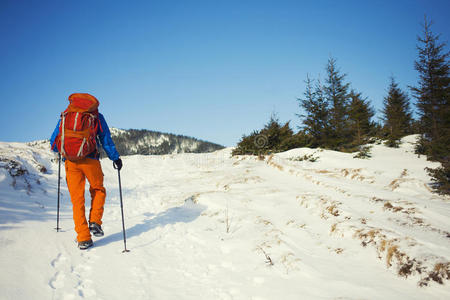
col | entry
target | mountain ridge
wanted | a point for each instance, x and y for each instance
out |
(150, 142)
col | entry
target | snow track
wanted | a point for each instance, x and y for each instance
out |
(212, 226)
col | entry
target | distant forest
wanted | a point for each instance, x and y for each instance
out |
(147, 142)
(337, 116)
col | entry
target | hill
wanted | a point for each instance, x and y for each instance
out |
(302, 224)
(147, 142)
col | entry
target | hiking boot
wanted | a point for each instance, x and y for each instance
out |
(96, 229)
(85, 244)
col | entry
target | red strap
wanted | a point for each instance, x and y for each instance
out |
(99, 124)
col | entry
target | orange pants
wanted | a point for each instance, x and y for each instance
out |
(76, 174)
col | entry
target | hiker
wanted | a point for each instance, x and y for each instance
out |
(76, 138)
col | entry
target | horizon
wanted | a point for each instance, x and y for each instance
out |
(212, 71)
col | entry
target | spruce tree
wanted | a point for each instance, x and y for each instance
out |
(336, 94)
(315, 119)
(274, 133)
(432, 94)
(396, 114)
(360, 115)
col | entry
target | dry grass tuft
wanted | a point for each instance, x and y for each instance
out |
(322, 171)
(268, 259)
(391, 251)
(338, 250)
(404, 173)
(279, 167)
(368, 237)
(395, 184)
(389, 206)
(356, 174)
(440, 272)
(405, 265)
(333, 227)
(375, 199)
(265, 222)
(332, 209)
(290, 262)
(270, 162)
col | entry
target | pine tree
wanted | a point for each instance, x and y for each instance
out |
(315, 119)
(433, 94)
(360, 115)
(275, 133)
(396, 114)
(433, 97)
(336, 95)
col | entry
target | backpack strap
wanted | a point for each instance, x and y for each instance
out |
(76, 120)
(63, 122)
(80, 152)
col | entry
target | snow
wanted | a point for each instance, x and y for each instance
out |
(116, 131)
(177, 144)
(212, 226)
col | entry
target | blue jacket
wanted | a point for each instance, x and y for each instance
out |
(103, 135)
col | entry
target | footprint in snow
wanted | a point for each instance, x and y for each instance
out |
(57, 280)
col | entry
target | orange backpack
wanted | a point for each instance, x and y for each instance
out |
(78, 127)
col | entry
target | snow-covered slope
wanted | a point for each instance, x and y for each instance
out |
(212, 226)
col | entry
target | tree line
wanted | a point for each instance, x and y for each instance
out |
(148, 142)
(336, 116)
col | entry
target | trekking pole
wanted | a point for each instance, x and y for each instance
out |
(121, 208)
(59, 184)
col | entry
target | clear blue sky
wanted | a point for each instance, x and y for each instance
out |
(210, 69)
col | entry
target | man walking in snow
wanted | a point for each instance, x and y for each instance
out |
(76, 138)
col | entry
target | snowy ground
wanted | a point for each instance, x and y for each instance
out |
(212, 226)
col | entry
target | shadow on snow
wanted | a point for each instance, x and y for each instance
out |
(17, 207)
(181, 214)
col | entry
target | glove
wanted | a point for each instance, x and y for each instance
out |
(117, 164)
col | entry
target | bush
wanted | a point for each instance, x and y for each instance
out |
(441, 178)
(364, 152)
(306, 157)
(392, 142)
(273, 138)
